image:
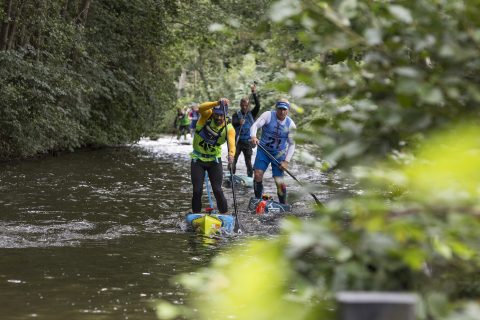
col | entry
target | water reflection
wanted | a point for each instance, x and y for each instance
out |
(117, 279)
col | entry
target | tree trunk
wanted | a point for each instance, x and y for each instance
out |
(199, 67)
(11, 35)
(15, 14)
(64, 12)
(23, 36)
(195, 95)
(82, 15)
(6, 25)
(181, 83)
(204, 79)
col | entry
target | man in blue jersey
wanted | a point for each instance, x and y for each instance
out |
(277, 139)
(242, 121)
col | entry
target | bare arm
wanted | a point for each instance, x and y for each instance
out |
(291, 142)
(257, 102)
(264, 119)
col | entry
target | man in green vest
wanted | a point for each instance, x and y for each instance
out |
(183, 123)
(210, 133)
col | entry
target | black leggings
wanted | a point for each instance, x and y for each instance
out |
(215, 175)
(182, 130)
(246, 148)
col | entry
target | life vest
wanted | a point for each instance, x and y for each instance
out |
(275, 135)
(244, 130)
(183, 120)
(208, 140)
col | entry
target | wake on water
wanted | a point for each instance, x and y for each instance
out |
(266, 223)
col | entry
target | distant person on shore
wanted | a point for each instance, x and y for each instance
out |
(210, 134)
(277, 139)
(181, 123)
(242, 122)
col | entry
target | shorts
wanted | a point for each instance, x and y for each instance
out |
(262, 160)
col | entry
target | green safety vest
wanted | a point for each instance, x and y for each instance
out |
(203, 148)
(184, 121)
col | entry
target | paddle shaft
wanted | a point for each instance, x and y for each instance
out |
(239, 131)
(289, 173)
(235, 214)
(208, 190)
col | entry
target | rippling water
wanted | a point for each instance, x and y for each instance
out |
(98, 234)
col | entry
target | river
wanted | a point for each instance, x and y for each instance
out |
(99, 234)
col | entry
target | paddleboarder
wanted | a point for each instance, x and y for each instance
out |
(210, 134)
(277, 139)
(183, 122)
(242, 122)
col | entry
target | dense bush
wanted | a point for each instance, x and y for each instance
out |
(83, 73)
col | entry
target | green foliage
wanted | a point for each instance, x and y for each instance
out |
(220, 57)
(248, 283)
(374, 79)
(99, 76)
(41, 109)
(395, 237)
(386, 71)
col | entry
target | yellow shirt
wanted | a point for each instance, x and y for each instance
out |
(205, 110)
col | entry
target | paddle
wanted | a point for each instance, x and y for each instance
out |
(210, 202)
(237, 227)
(289, 173)
(238, 137)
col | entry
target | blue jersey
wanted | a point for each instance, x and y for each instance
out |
(244, 130)
(275, 135)
(194, 115)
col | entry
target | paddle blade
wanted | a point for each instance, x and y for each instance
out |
(318, 202)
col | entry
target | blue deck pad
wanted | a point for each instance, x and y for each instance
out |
(228, 221)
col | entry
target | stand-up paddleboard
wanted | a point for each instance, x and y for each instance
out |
(238, 180)
(267, 205)
(210, 225)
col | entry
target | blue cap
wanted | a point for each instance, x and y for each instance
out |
(282, 105)
(219, 109)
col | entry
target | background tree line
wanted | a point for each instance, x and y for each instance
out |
(82, 73)
(93, 73)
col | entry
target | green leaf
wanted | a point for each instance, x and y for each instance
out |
(442, 248)
(283, 85)
(284, 9)
(348, 8)
(414, 258)
(408, 72)
(400, 13)
(373, 36)
(431, 95)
